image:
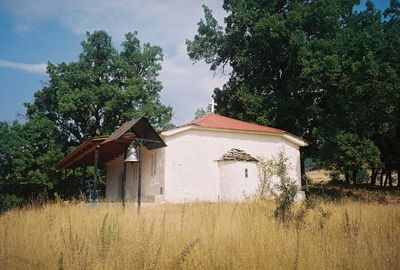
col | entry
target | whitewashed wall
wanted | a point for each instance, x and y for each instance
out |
(233, 183)
(191, 170)
(187, 169)
(293, 155)
(150, 183)
(114, 179)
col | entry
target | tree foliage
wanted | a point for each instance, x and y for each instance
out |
(28, 154)
(200, 112)
(351, 154)
(318, 69)
(103, 89)
(276, 183)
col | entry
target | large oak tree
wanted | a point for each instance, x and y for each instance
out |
(318, 69)
(103, 89)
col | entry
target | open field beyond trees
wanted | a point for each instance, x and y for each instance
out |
(355, 235)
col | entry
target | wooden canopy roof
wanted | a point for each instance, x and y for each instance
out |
(110, 147)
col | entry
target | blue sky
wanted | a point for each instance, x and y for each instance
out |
(36, 32)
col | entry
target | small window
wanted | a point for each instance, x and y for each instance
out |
(161, 190)
(246, 173)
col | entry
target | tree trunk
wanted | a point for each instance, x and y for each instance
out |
(347, 177)
(381, 178)
(355, 176)
(386, 178)
(398, 179)
(374, 173)
(390, 178)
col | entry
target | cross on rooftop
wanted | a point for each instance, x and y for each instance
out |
(211, 106)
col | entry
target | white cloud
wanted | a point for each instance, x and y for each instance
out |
(33, 68)
(166, 23)
(187, 86)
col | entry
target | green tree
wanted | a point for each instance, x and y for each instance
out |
(390, 143)
(9, 143)
(265, 44)
(351, 154)
(28, 154)
(103, 89)
(200, 112)
(361, 94)
(318, 69)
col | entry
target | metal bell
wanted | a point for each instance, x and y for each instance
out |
(132, 155)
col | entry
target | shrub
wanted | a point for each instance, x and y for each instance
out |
(284, 192)
(8, 202)
(283, 189)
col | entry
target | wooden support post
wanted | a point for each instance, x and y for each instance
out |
(139, 179)
(70, 189)
(84, 169)
(83, 175)
(96, 167)
(123, 195)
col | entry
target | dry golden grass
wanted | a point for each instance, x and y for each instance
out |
(198, 236)
(318, 176)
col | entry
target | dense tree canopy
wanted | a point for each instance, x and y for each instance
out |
(103, 89)
(266, 43)
(318, 69)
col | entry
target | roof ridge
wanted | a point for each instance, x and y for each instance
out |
(202, 119)
(218, 121)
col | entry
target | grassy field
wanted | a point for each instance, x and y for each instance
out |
(199, 236)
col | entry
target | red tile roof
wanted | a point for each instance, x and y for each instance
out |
(213, 120)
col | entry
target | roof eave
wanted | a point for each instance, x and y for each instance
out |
(180, 129)
(81, 148)
(290, 137)
(295, 140)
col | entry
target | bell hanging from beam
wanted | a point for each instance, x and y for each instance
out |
(132, 155)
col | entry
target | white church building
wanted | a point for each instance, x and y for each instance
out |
(213, 158)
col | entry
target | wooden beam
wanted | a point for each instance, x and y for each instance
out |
(96, 167)
(109, 148)
(83, 171)
(71, 157)
(123, 195)
(139, 179)
(79, 156)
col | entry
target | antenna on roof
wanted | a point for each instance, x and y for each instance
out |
(211, 106)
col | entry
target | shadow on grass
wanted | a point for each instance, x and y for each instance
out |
(336, 191)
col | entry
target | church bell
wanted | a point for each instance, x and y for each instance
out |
(132, 155)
